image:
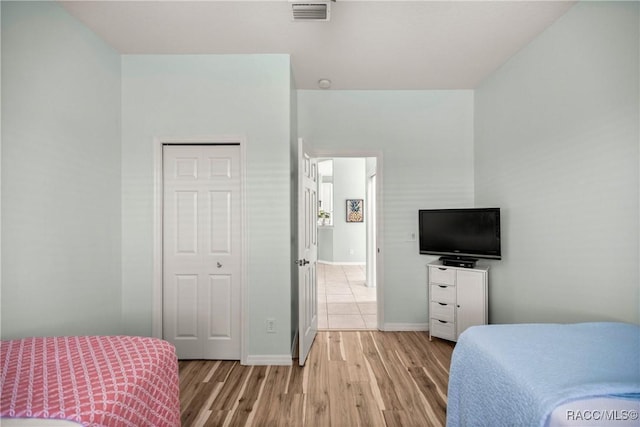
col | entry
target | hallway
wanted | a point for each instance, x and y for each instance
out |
(344, 300)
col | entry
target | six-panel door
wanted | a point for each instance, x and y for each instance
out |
(202, 250)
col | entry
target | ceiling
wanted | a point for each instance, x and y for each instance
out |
(366, 44)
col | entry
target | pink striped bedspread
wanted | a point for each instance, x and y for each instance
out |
(93, 380)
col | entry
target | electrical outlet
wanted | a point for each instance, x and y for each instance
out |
(271, 325)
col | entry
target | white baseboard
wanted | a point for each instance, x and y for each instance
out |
(397, 327)
(269, 359)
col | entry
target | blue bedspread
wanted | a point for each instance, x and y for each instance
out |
(515, 375)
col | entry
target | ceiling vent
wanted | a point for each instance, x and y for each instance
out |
(310, 11)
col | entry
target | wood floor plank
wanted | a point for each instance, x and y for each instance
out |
(342, 399)
(193, 407)
(230, 393)
(442, 350)
(438, 361)
(430, 392)
(272, 400)
(250, 392)
(296, 376)
(369, 412)
(294, 415)
(354, 378)
(215, 419)
(195, 391)
(335, 345)
(381, 375)
(222, 372)
(353, 354)
(428, 356)
(316, 384)
(192, 373)
(403, 383)
(399, 418)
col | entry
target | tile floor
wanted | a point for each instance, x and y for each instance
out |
(344, 300)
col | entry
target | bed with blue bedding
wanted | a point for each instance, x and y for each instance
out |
(544, 374)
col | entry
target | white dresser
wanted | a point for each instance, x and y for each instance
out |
(458, 298)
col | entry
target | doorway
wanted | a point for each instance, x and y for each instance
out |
(347, 248)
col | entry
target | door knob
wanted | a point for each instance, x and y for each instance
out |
(219, 265)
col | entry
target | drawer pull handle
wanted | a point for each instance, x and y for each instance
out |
(442, 321)
(442, 286)
(441, 303)
(443, 269)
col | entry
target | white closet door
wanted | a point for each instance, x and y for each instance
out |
(202, 250)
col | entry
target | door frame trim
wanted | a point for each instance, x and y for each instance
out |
(337, 153)
(158, 237)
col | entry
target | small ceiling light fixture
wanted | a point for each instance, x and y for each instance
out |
(324, 83)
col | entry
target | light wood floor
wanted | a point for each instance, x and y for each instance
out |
(360, 378)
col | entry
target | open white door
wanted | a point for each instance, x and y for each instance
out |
(307, 250)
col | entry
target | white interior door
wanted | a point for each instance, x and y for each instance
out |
(202, 250)
(307, 250)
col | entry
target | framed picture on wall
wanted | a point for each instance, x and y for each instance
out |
(355, 210)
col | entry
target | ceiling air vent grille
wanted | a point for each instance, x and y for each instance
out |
(316, 11)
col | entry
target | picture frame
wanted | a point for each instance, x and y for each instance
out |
(355, 210)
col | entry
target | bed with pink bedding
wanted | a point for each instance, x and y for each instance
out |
(91, 381)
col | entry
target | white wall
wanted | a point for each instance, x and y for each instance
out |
(426, 140)
(557, 148)
(207, 95)
(344, 242)
(349, 238)
(60, 175)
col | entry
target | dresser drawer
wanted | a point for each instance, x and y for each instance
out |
(442, 293)
(441, 275)
(442, 329)
(441, 311)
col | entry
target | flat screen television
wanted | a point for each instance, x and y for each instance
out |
(460, 233)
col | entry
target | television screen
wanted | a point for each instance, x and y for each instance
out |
(470, 232)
